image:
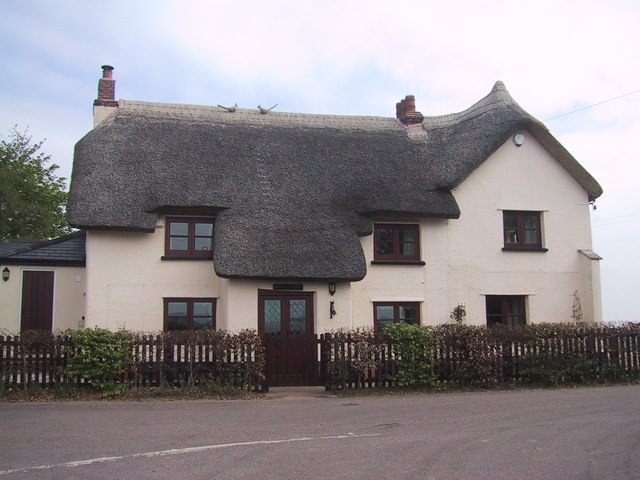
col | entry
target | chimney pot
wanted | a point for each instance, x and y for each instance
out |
(406, 111)
(410, 102)
(107, 71)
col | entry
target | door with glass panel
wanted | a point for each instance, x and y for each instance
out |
(285, 321)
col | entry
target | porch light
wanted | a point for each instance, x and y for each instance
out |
(6, 273)
(332, 288)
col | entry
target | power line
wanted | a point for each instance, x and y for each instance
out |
(595, 225)
(605, 219)
(591, 106)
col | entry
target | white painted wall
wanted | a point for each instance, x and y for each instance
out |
(127, 280)
(464, 257)
(100, 113)
(68, 299)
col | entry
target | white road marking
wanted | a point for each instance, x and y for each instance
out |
(178, 451)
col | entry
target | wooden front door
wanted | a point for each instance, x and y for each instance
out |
(287, 329)
(37, 300)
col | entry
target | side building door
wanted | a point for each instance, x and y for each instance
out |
(285, 322)
(37, 300)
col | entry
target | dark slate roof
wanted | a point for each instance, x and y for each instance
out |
(9, 247)
(291, 192)
(68, 250)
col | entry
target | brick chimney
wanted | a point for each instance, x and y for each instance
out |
(406, 111)
(106, 102)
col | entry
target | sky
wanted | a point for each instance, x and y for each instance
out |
(575, 65)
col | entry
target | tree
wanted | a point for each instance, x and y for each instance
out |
(32, 198)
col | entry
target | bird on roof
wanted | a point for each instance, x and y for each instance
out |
(229, 109)
(264, 111)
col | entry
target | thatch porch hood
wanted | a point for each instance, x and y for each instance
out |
(291, 193)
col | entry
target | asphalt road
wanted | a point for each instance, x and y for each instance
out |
(585, 433)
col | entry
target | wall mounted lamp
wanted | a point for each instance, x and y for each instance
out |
(332, 288)
(6, 273)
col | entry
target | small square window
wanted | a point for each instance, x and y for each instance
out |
(396, 242)
(386, 313)
(189, 314)
(522, 230)
(189, 237)
(508, 310)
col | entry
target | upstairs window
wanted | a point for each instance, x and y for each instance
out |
(189, 237)
(189, 314)
(386, 313)
(507, 310)
(522, 230)
(396, 243)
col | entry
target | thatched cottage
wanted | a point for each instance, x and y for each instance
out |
(210, 217)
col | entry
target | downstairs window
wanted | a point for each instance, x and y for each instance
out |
(189, 314)
(507, 310)
(386, 313)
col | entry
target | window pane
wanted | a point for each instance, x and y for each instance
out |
(383, 323)
(514, 306)
(530, 221)
(384, 312)
(297, 316)
(494, 305)
(516, 321)
(511, 236)
(177, 309)
(177, 323)
(272, 316)
(530, 236)
(510, 220)
(384, 241)
(204, 229)
(202, 323)
(204, 309)
(178, 243)
(408, 313)
(408, 249)
(407, 235)
(202, 243)
(179, 228)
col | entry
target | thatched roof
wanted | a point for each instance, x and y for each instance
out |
(291, 192)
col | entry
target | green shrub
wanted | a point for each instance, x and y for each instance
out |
(413, 354)
(99, 357)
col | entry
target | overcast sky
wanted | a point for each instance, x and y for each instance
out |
(350, 57)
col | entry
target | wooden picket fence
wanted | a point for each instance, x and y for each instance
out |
(477, 356)
(38, 358)
(462, 356)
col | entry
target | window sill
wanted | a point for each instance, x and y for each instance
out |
(185, 257)
(517, 249)
(397, 262)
